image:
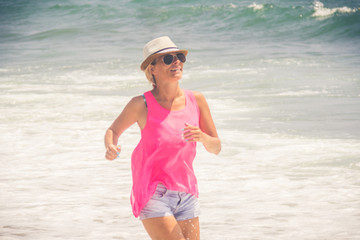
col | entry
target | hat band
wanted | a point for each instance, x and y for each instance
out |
(165, 49)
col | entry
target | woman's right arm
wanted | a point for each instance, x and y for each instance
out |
(133, 112)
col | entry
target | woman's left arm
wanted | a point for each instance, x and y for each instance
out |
(206, 133)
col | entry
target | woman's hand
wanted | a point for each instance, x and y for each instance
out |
(192, 133)
(112, 152)
(195, 134)
(134, 111)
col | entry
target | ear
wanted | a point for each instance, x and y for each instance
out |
(152, 69)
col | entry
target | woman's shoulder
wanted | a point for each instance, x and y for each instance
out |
(198, 96)
(200, 99)
(137, 102)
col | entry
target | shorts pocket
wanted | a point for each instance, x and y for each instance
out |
(160, 191)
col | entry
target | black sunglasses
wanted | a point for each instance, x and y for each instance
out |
(168, 59)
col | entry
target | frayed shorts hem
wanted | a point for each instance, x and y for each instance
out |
(165, 203)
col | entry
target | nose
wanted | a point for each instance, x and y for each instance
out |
(176, 60)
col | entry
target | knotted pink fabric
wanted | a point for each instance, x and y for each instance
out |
(162, 156)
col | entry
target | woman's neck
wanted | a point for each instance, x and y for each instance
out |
(167, 92)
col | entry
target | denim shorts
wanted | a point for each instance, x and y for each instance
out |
(164, 202)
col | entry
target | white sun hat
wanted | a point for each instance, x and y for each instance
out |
(159, 46)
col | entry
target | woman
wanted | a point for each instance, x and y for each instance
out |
(172, 120)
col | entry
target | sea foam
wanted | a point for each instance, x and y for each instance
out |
(256, 6)
(323, 12)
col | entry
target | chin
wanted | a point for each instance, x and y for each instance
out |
(177, 77)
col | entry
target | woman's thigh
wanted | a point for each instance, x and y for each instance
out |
(163, 228)
(190, 228)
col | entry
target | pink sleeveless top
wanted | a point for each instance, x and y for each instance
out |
(162, 156)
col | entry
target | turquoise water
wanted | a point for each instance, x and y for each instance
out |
(281, 78)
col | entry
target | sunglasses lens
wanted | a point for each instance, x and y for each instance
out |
(168, 59)
(181, 57)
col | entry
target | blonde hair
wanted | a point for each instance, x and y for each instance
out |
(149, 76)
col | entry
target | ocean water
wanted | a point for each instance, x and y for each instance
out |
(282, 80)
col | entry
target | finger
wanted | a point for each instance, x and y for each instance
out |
(189, 126)
(118, 149)
(109, 157)
(193, 136)
(188, 134)
(192, 131)
(111, 154)
(191, 140)
(114, 149)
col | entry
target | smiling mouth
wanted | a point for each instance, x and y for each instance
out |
(176, 70)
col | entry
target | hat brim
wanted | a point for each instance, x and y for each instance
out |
(152, 57)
